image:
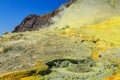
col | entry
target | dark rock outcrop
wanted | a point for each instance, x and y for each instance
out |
(34, 22)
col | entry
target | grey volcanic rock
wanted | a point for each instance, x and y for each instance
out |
(27, 24)
(34, 22)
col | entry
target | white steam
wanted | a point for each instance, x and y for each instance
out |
(84, 12)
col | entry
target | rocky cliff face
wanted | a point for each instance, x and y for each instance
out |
(34, 22)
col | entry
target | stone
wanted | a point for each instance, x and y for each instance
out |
(35, 22)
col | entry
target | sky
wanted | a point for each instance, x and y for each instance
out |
(12, 12)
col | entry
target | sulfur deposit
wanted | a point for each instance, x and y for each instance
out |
(82, 44)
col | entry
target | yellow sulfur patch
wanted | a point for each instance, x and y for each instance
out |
(68, 33)
(108, 31)
(95, 56)
(102, 45)
(85, 37)
(31, 78)
(117, 77)
(25, 74)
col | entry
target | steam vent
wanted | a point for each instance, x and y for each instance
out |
(78, 41)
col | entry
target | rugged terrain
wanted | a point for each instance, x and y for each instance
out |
(84, 45)
(35, 22)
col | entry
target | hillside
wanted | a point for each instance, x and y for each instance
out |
(82, 44)
(35, 22)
